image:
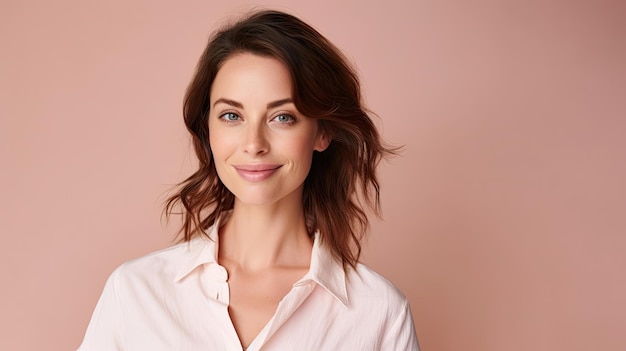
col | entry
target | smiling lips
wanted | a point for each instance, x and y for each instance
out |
(256, 173)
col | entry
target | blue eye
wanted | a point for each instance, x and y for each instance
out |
(284, 118)
(229, 117)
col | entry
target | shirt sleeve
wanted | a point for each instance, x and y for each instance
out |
(401, 334)
(105, 328)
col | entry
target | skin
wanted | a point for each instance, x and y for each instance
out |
(262, 147)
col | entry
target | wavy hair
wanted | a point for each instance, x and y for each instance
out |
(342, 181)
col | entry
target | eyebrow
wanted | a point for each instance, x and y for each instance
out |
(238, 104)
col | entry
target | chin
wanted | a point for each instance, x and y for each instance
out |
(255, 197)
(262, 197)
(254, 200)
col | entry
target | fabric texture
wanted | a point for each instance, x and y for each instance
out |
(177, 299)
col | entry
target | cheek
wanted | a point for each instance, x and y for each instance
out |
(219, 143)
(303, 142)
(220, 155)
(300, 148)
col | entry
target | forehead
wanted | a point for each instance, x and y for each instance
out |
(248, 76)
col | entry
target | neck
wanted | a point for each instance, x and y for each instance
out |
(260, 237)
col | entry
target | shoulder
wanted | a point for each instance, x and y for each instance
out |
(364, 285)
(161, 265)
(388, 304)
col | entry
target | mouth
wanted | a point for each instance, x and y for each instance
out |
(256, 173)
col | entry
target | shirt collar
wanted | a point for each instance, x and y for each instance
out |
(200, 250)
(325, 270)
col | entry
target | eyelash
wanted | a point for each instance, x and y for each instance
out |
(225, 116)
(290, 117)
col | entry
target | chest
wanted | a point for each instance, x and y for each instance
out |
(194, 319)
(254, 299)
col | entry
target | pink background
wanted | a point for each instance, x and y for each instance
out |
(504, 218)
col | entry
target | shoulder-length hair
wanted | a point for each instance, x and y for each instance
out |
(342, 180)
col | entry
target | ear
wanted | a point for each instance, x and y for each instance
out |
(322, 141)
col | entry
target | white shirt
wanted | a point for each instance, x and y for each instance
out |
(177, 299)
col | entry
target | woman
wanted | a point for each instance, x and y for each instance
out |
(272, 218)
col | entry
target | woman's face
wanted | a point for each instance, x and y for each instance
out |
(262, 146)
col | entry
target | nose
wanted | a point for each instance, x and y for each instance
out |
(256, 142)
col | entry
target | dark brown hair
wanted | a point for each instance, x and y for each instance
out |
(342, 178)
